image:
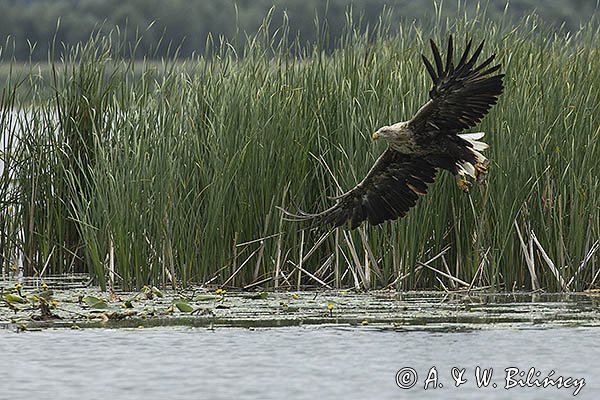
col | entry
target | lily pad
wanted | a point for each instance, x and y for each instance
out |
(184, 307)
(206, 297)
(157, 292)
(100, 305)
(260, 296)
(89, 300)
(95, 302)
(15, 298)
(45, 294)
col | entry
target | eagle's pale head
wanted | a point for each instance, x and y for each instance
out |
(396, 132)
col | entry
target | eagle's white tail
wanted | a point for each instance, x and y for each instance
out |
(479, 170)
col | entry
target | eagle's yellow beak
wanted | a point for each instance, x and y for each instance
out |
(375, 136)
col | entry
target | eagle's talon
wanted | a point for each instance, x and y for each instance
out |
(481, 170)
(463, 185)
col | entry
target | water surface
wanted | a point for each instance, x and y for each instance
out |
(306, 362)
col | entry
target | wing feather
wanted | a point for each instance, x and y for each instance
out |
(430, 69)
(437, 58)
(461, 95)
(449, 55)
(389, 190)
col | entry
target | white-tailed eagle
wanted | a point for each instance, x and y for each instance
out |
(433, 139)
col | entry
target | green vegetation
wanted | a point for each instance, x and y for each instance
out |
(170, 173)
(31, 25)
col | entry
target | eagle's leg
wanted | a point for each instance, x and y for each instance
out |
(481, 170)
(462, 183)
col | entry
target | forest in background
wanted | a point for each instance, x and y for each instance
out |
(29, 27)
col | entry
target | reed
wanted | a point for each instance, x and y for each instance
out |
(170, 173)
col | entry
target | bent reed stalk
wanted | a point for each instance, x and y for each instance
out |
(143, 172)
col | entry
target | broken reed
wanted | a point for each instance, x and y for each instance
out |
(164, 173)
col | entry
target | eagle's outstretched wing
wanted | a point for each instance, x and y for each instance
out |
(461, 94)
(389, 190)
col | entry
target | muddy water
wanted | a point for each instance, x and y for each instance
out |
(253, 349)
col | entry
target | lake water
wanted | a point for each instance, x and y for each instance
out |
(302, 362)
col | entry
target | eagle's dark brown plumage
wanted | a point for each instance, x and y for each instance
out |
(432, 139)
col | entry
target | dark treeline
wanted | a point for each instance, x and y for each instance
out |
(28, 27)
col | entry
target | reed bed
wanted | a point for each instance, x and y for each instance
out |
(171, 173)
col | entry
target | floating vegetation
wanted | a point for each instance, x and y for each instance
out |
(80, 308)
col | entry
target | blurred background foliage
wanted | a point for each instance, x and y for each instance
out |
(29, 27)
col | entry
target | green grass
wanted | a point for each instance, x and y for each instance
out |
(145, 173)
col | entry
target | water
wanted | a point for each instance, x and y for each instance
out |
(302, 362)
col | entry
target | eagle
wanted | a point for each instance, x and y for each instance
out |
(433, 139)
